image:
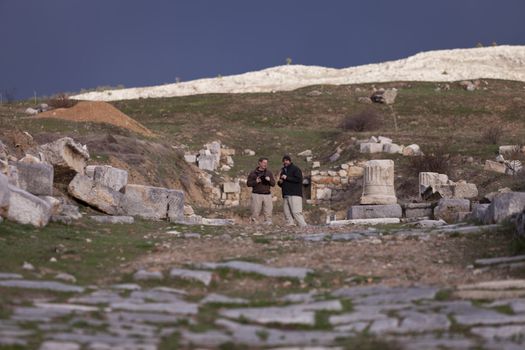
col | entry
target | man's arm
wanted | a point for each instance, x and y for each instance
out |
(272, 179)
(296, 176)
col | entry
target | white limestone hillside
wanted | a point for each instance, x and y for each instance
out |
(499, 62)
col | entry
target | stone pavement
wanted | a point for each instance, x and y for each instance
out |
(153, 315)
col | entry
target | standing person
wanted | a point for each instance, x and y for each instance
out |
(261, 180)
(291, 183)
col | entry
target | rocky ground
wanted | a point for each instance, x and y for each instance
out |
(397, 287)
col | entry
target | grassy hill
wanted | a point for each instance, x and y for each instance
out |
(272, 124)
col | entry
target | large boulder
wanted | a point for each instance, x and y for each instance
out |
(25, 208)
(152, 202)
(451, 210)
(4, 195)
(36, 178)
(504, 206)
(67, 156)
(479, 212)
(109, 176)
(96, 195)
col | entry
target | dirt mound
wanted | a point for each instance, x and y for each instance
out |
(97, 112)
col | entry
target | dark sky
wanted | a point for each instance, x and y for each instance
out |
(65, 45)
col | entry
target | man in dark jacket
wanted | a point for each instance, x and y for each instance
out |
(291, 183)
(261, 180)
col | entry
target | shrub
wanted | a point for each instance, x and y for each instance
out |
(492, 135)
(61, 101)
(436, 160)
(364, 121)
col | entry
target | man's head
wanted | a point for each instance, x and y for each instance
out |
(263, 163)
(287, 160)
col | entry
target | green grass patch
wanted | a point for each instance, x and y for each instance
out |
(87, 250)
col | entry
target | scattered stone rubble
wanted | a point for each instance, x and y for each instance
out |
(214, 156)
(503, 166)
(433, 186)
(383, 144)
(26, 189)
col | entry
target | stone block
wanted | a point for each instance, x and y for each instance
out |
(306, 153)
(412, 150)
(231, 187)
(114, 178)
(504, 206)
(176, 207)
(4, 195)
(369, 147)
(67, 156)
(449, 209)
(35, 178)
(155, 203)
(25, 208)
(145, 201)
(54, 204)
(323, 194)
(113, 219)
(495, 166)
(190, 158)
(374, 211)
(418, 210)
(432, 180)
(509, 149)
(391, 148)
(96, 195)
(207, 162)
(228, 152)
(465, 190)
(355, 171)
(382, 139)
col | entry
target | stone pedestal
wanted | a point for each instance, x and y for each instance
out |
(374, 211)
(378, 182)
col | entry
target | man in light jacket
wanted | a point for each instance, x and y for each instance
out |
(261, 180)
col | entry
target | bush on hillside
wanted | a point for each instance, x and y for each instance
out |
(492, 135)
(61, 101)
(363, 121)
(435, 160)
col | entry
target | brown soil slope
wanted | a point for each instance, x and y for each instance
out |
(97, 112)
